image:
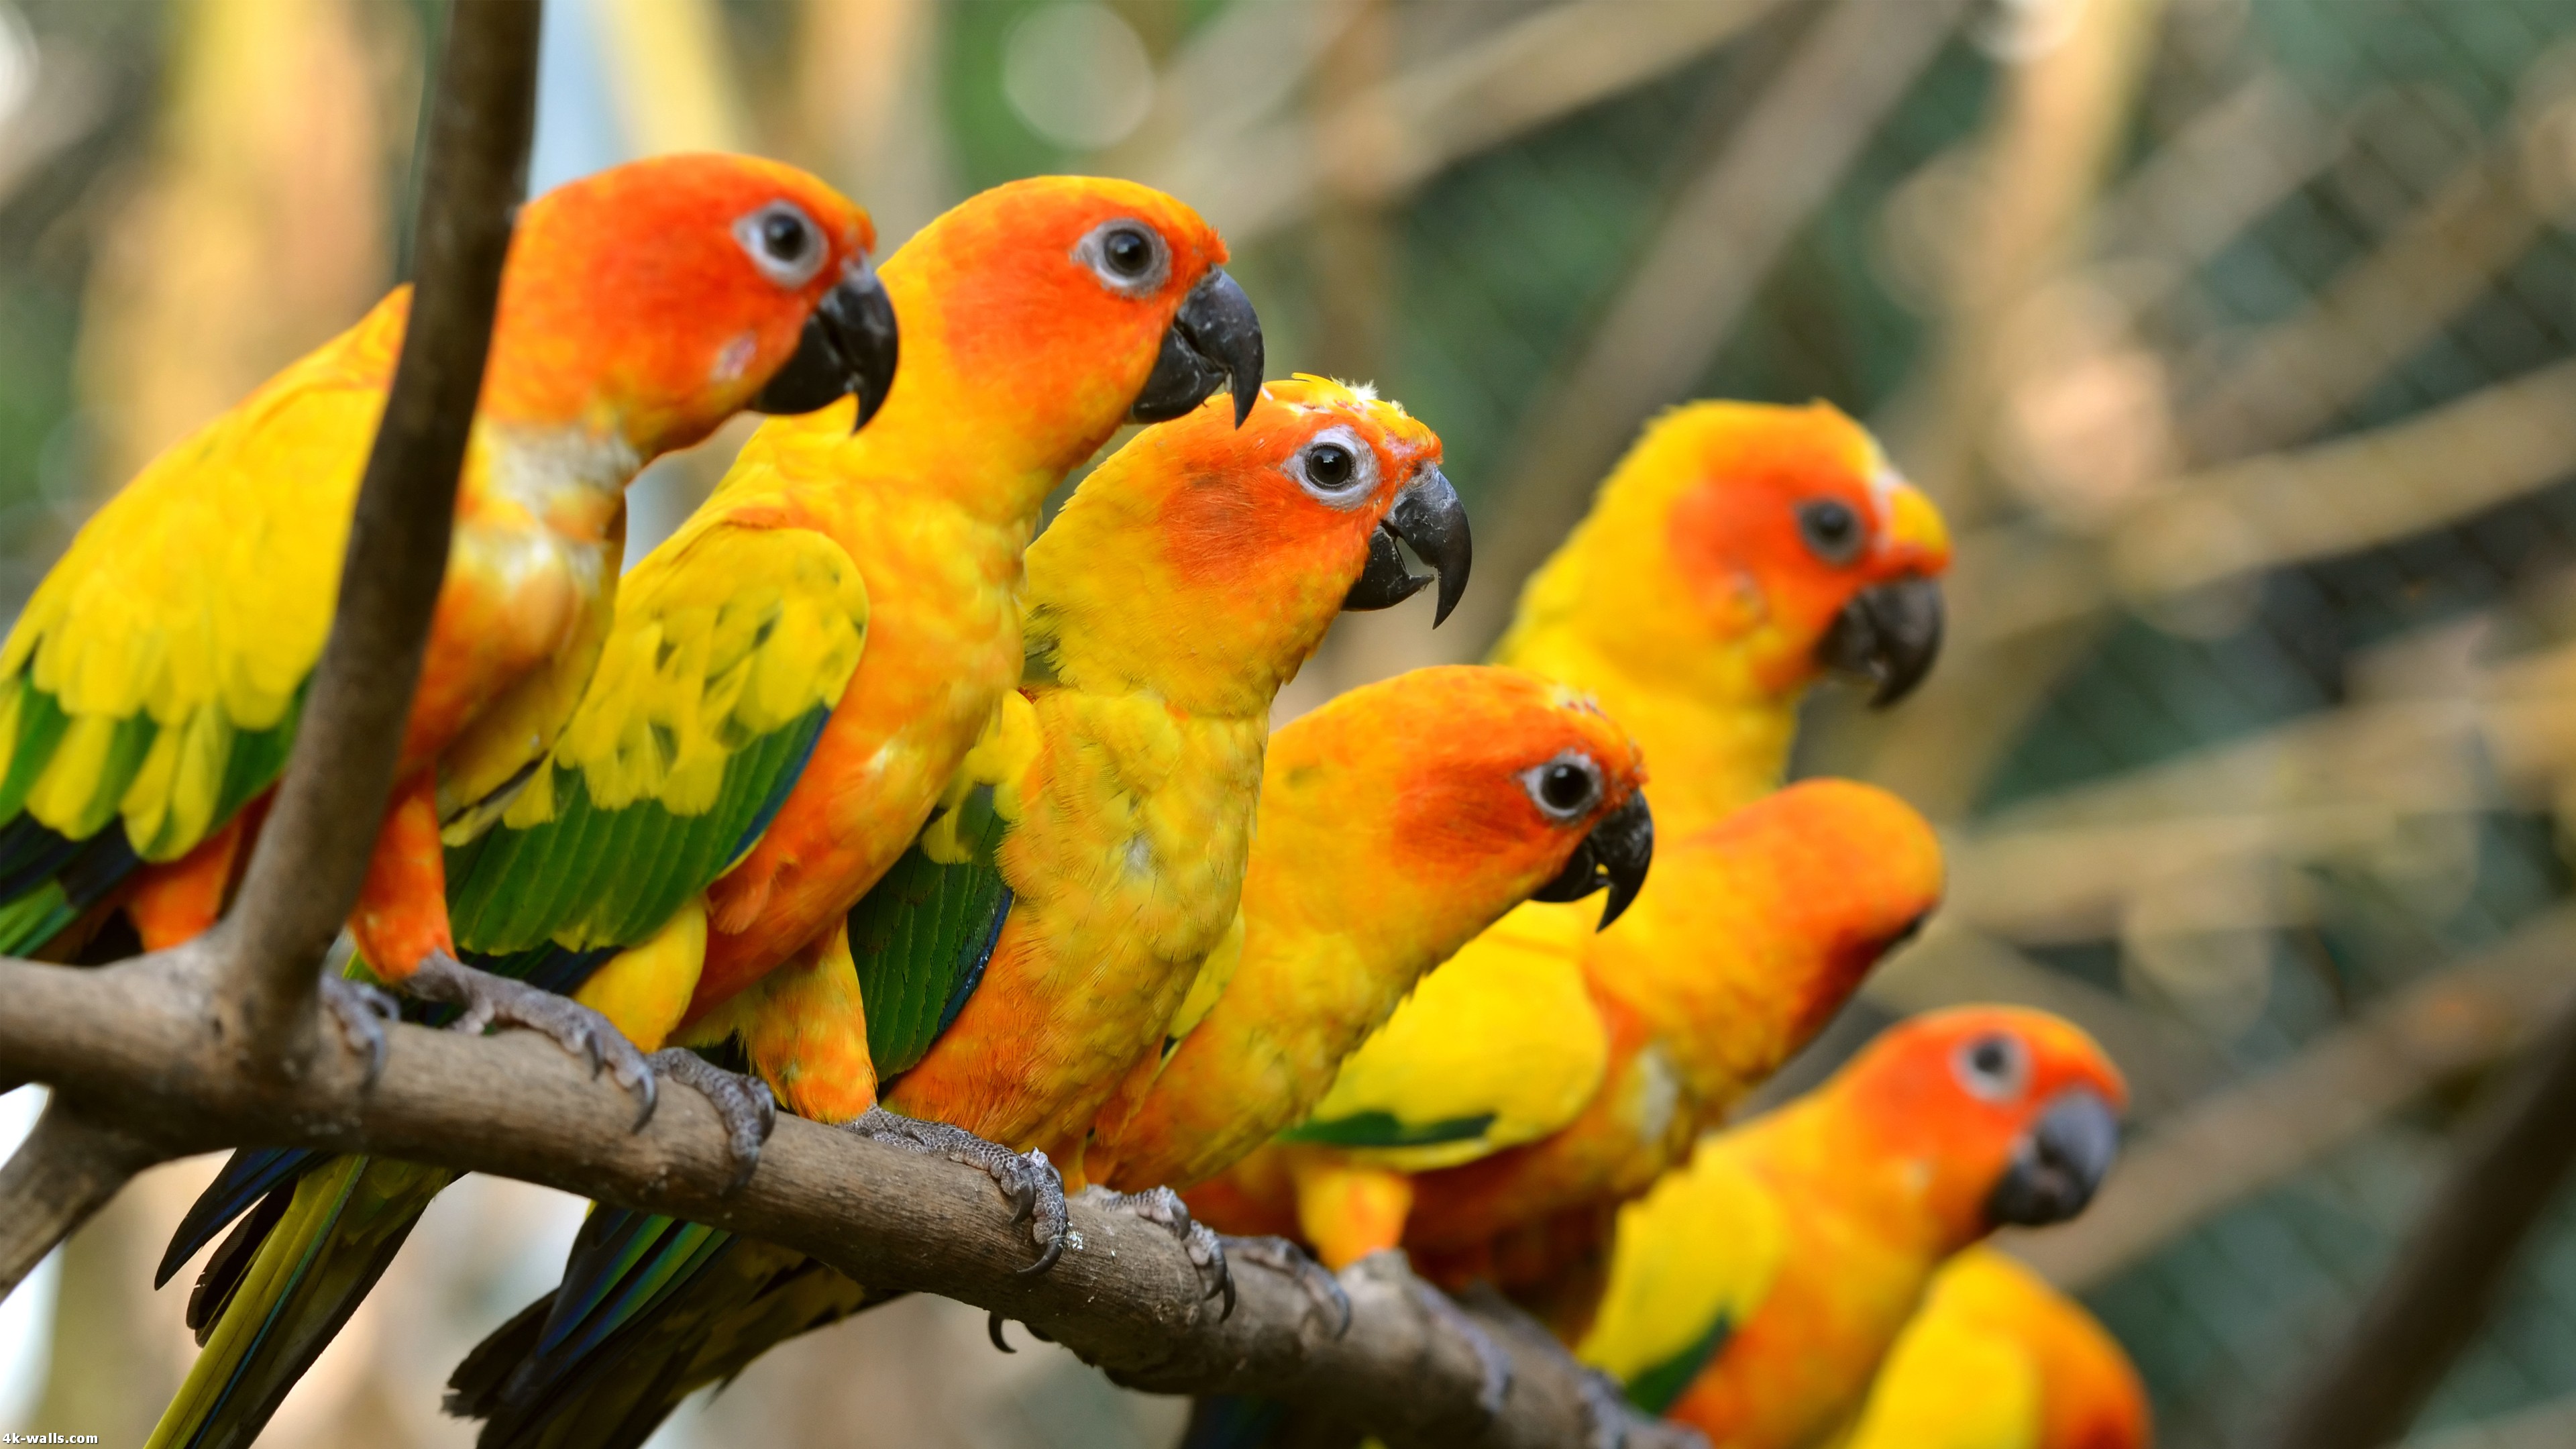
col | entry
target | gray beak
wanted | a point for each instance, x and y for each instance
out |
(1214, 341)
(1615, 855)
(849, 345)
(1888, 634)
(1426, 514)
(2059, 1163)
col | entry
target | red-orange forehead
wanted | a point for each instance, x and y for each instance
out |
(1232, 500)
(625, 207)
(1915, 1060)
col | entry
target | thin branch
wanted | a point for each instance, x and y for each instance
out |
(135, 1043)
(2512, 1162)
(313, 854)
(2237, 1142)
(65, 1171)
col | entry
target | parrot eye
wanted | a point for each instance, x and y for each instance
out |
(1565, 788)
(1831, 529)
(1995, 1068)
(783, 242)
(1336, 467)
(1128, 256)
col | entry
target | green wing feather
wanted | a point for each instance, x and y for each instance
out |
(923, 934)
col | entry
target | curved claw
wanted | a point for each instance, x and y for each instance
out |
(1281, 1256)
(1164, 1209)
(362, 1012)
(993, 1330)
(1035, 1190)
(490, 1000)
(743, 1104)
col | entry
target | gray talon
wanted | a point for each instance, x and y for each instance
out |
(490, 1000)
(743, 1104)
(1035, 1190)
(993, 1330)
(1164, 1209)
(1281, 1256)
(362, 1011)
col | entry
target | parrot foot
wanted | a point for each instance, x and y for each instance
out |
(1287, 1259)
(743, 1104)
(1164, 1209)
(491, 1000)
(1446, 1314)
(361, 1011)
(1031, 1182)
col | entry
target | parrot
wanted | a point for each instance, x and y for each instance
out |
(149, 691)
(994, 987)
(810, 654)
(1396, 821)
(1546, 1095)
(1997, 1359)
(1753, 1292)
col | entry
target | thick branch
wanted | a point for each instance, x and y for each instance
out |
(313, 854)
(66, 1170)
(2444, 1283)
(135, 1043)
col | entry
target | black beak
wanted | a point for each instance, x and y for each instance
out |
(1427, 514)
(848, 346)
(1889, 634)
(2059, 1163)
(1214, 341)
(1615, 854)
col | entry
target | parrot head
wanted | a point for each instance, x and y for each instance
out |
(1431, 803)
(656, 299)
(1213, 556)
(1777, 535)
(1049, 310)
(1991, 1116)
(1765, 923)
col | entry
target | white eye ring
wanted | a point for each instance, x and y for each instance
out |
(1547, 786)
(1109, 250)
(1336, 467)
(783, 242)
(1994, 1067)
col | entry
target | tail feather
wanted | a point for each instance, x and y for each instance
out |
(222, 1278)
(339, 1230)
(251, 1175)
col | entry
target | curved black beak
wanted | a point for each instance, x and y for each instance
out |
(1214, 341)
(1427, 514)
(849, 346)
(2059, 1163)
(1616, 854)
(1889, 634)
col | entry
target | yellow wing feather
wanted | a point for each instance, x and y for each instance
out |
(1696, 1255)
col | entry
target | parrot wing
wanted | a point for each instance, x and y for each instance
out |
(1949, 1384)
(1500, 1045)
(730, 648)
(923, 934)
(151, 686)
(1694, 1260)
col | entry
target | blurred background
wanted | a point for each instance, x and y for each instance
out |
(2234, 336)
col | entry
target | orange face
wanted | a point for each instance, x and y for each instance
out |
(655, 299)
(2009, 1116)
(1793, 521)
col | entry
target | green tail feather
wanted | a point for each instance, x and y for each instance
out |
(346, 1222)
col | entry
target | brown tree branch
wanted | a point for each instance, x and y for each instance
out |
(137, 1043)
(313, 854)
(2512, 1162)
(66, 1170)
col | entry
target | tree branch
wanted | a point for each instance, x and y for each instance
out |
(2511, 1164)
(66, 1170)
(313, 854)
(137, 1043)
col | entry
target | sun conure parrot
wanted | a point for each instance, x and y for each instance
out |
(1754, 1291)
(807, 658)
(1997, 1359)
(1396, 822)
(150, 690)
(1003, 977)
(1548, 1092)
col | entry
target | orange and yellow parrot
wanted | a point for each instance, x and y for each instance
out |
(807, 658)
(997, 984)
(1998, 1359)
(1396, 822)
(1509, 1090)
(1753, 1292)
(150, 690)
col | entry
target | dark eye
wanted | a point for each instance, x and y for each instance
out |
(1565, 787)
(1831, 528)
(1336, 468)
(1993, 1067)
(1125, 254)
(783, 243)
(1330, 465)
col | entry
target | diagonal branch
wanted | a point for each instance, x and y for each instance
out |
(136, 1043)
(66, 1170)
(313, 854)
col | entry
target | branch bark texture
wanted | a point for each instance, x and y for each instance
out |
(137, 1042)
(313, 854)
